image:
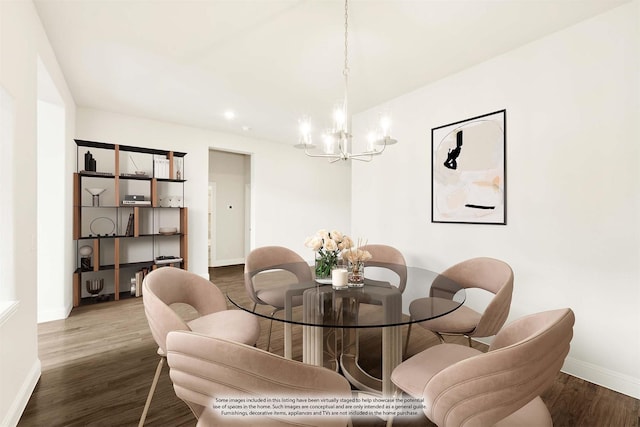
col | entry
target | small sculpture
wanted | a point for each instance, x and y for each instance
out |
(96, 192)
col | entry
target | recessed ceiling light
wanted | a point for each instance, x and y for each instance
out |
(229, 115)
(246, 128)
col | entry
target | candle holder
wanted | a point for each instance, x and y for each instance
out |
(339, 277)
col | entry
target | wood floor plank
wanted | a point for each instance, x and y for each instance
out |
(97, 367)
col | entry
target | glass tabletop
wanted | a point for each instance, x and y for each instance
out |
(379, 303)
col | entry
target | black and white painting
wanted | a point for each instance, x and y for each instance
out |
(468, 170)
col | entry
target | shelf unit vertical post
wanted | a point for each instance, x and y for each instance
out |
(136, 221)
(77, 212)
(96, 254)
(116, 268)
(184, 237)
(170, 157)
(154, 192)
(116, 178)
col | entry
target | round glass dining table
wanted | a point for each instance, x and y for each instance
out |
(332, 317)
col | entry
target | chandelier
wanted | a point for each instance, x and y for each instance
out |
(336, 142)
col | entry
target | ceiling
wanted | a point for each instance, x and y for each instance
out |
(274, 61)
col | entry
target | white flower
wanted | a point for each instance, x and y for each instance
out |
(346, 243)
(330, 245)
(322, 234)
(337, 236)
(314, 243)
(356, 254)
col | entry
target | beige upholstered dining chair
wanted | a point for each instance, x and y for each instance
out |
(268, 259)
(490, 274)
(384, 256)
(204, 369)
(166, 286)
(461, 386)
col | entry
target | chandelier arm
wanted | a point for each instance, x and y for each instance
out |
(360, 159)
(326, 156)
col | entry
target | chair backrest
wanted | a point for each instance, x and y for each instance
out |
(385, 256)
(272, 258)
(204, 369)
(169, 285)
(494, 276)
(521, 363)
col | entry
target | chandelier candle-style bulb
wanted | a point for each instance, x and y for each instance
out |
(329, 143)
(385, 125)
(305, 141)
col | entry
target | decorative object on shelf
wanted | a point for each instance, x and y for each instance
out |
(133, 286)
(167, 231)
(95, 193)
(137, 172)
(167, 259)
(178, 169)
(89, 162)
(337, 141)
(102, 226)
(356, 258)
(85, 257)
(94, 287)
(468, 171)
(175, 201)
(327, 246)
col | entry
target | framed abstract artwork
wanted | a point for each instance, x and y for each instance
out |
(468, 171)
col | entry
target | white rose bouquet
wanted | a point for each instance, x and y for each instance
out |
(327, 245)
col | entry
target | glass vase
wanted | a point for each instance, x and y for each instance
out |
(356, 274)
(324, 264)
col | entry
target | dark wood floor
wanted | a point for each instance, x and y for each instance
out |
(98, 364)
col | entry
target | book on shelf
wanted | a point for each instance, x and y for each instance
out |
(160, 167)
(129, 230)
(136, 203)
(139, 278)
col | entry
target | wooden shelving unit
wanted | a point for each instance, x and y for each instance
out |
(133, 244)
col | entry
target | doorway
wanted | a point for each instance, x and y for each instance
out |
(229, 207)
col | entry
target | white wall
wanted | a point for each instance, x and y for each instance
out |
(573, 188)
(22, 41)
(291, 196)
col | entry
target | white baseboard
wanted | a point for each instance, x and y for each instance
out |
(226, 262)
(604, 377)
(54, 314)
(22, 397)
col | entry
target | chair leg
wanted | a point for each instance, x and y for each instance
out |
(269, 336)
(439, 336)
(152, 390)
(469, 338)
(273, 313)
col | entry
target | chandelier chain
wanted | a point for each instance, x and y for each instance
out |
(346, 31)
